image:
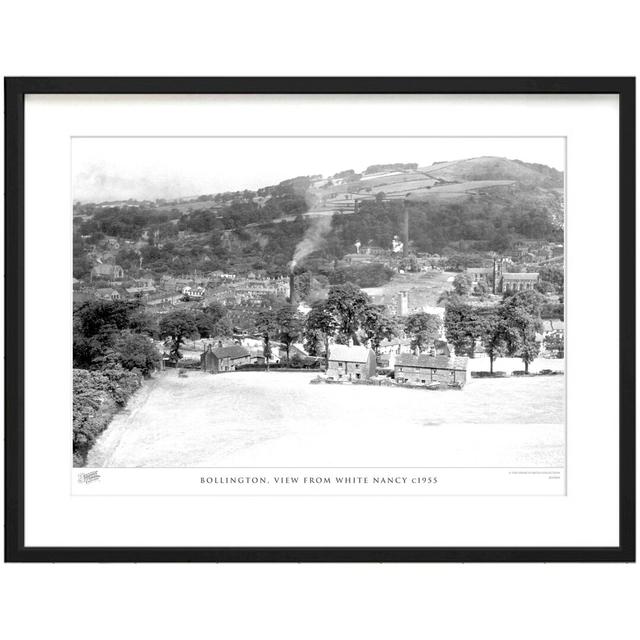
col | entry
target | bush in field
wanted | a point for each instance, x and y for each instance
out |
(97, 395)
(135, 351)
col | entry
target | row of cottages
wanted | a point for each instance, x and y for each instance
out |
(425, 370)
(219, 359)
(349, 363)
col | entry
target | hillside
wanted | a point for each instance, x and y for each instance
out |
(450, 181)
(471, 205)
(492, 168)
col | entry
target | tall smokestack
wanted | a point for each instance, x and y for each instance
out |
(405, 229)
(292, 287)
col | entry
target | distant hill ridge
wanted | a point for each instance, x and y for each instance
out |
(497, 168)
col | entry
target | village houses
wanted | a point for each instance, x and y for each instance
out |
(348, 363)
(425, 370)
(220, 359)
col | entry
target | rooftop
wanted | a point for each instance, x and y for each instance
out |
(233, 351)
(520, 276)
(346, 353)
(458, 363)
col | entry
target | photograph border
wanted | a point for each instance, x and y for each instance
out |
(15, 91)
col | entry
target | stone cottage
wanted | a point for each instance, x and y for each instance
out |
(424, 370)
(220, 359)
(350, 363)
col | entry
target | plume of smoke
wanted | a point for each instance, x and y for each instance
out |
(313, 238)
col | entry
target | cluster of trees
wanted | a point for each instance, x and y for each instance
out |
(492, 222)
(552, 280)
(347, 314)
(122, 222)
(108, 334)
(282, 323)
(112, 351)
(286, 199)
(424, 329)
(396, 166)
(118, 334)
(178, 326)
(507, 329)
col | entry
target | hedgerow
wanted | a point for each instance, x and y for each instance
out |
(97, 396)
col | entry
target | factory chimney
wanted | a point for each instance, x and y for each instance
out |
(292, 285)
(405, 228)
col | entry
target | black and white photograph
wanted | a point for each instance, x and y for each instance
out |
(320, 302)
(320, 320)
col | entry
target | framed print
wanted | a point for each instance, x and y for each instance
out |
(320, 319)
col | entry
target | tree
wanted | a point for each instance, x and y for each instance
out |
(141, 321)
(410, 263)
(98, 324)
(377, 325)
(267, 326)
(481, 289)
(177, 326)
(135, 351)
(423, 328)
(521, 319)
(462, 326)
(554, 275)
(545, 287)
(290, 324)
(554, 342)
(212, 321)
(492, 330)
(462, 284)
(347, 303)
(319, 326)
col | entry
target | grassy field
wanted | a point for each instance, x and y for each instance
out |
(279, 419)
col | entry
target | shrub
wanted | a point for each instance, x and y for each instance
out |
(97, 396)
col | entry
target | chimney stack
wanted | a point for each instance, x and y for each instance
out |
(292, 287)
(405, 230)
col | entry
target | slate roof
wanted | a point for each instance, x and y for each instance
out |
(345, 353)
(234, 351)
(520, 276)
(458, 363)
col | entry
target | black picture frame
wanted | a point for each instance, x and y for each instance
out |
(15, 91)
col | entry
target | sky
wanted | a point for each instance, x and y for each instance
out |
(148, 168)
